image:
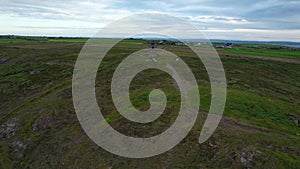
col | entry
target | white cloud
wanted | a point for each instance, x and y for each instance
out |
(254, 34)
(223, 18)
(218, 19)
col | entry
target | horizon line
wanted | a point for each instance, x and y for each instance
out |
(144, 38)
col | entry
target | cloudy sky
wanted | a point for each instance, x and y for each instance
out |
(217, 19)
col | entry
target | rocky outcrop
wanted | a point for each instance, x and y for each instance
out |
(9, 128)
(294, 119)
(3, 60)
(17, 148)
(42, 123)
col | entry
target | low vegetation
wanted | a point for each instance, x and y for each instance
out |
(39, 128)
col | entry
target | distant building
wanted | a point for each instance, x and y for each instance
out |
(228, 45)
(162, 42)
(179, 43)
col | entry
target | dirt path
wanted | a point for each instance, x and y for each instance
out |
(297, 61)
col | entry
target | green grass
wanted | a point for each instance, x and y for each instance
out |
(133, 42)
(261, 45)
(261, 94)
(261, 111)
(63, 40)
(7, 40)
(266, 52)
(75, 40)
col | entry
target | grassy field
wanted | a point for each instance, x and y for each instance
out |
(16, 40)
(265, 50)
(40, 129)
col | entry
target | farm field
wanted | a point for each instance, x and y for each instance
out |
(39, 128)
(266, 50)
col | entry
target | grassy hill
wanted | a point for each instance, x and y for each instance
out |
(39, 128)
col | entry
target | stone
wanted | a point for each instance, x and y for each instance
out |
(18, 148)
(34, 72)
(246, 158)
(3, 60)
(42, 123)
(9, 128)
(294, 119)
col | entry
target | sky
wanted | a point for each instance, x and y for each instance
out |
(262, 20)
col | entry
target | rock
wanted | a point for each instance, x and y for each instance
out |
(289, 151)
(34, 72)
(18, 148)
(213, 145)
(296, 122)
(3, 60)
(16, 144)
(9, 128)
(284, 149)
(60, 63)
(270, 146)
(52, 63)
(246, 158)
(42, 123)
(244, 161)
(294, 119)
